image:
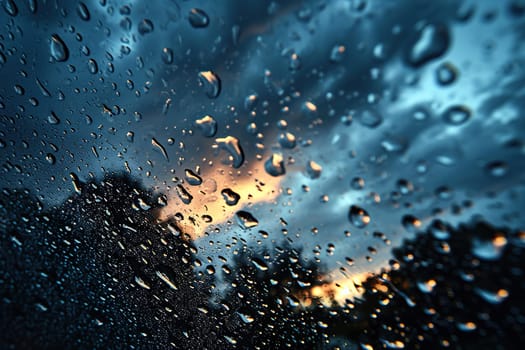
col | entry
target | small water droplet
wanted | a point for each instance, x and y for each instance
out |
(358, 216)
(92, 66)
(446, 73)
(50, 158)
(160, 148)
(233, 147)
(198, 18)
(457, 115)
(287, 140)
(337, 53)
(274, 166)
(313, 170)
(83, 11)
(431, 42)
(192, 178)
(145, 27)
(10, 7)
(497, 168)
(246, 220)
(207, 125)
(53, 119)
(259, 264)
(370, 118)
(211, 83)
(167, 55)
(230, 197)
(183, 194)
(58, 49)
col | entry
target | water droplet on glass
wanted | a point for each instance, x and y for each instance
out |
(53, 119)
(160, 148)
(497, 168)
(410, 223)
(259, 264)
(145, 27)
(456, 115)
(83, 11)
(183, 194)
(357, 183)
(250, 102)
(446, 73)
(230, 197)
(431, 42)
(167, 55)
(207, 125)
(50, 158)
(231, 145)
(287, 140)
(358, 216)
(10, 7)
(58, 49)
(192, 178)
(210, 83)
(275, 165)
(198, 18)
(337, 53)
(313, 170)
(246, 318)
(92, 66)
(246, 219)
(370, 118)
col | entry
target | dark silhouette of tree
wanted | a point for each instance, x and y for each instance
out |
(263, 307)
(448, 288)
(98, 271)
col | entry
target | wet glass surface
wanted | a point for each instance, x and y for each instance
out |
(343, 174)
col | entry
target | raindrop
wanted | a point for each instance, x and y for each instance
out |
(497, 168)
(358, 216)
(183, 194)
(167, 55)
(410, 223)
(287, 140)
(58, 49)
(246, 318)
(83, 11)
(456, 115)
(295, 62)
(446, 73)
(246, 219)
(357, 183)
(274, 166)
(145, 27)
(370, 119)
(259, 264)
(230, 197)
(92, 66)
(192, 178)
(50, 158)
(232, 146)
(198, 18)
(337, 53)
(160, 148)
(431, 42)
(250, 102)
(207, 125)
(10, 7)
(211, 83)
(53, 119)
(313, 169)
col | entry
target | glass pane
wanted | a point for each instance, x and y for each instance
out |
(343, 174)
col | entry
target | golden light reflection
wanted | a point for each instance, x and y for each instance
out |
(208, 207)
(338, 291)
